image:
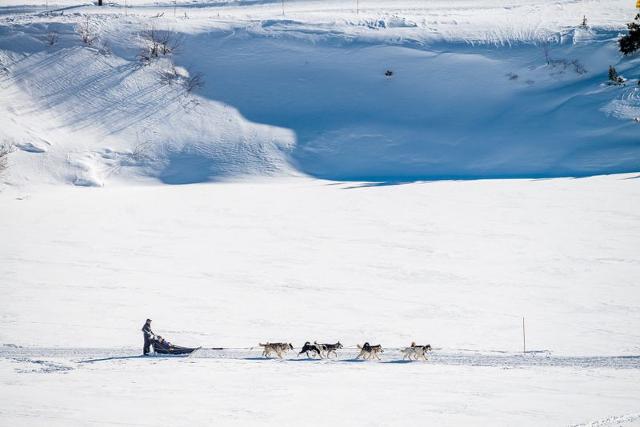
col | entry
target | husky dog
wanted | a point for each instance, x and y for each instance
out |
(279, 348)
(313, 348)
(367, 351)
(329, 348)
(416, 351)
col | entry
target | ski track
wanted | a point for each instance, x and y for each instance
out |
(29, 366)
(504, 360)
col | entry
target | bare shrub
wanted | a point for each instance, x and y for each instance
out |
(562, 65)
(150, 37)
(180, 76)
(169, 42)
(158, 42)
(169, 76)
(578, 67)
(194, 82)
(86, 32)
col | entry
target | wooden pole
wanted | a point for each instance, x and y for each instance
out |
(282, 7)
(524, 338)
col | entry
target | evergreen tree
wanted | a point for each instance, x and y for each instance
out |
(631, 42)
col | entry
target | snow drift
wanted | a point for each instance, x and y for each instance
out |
(394, 95)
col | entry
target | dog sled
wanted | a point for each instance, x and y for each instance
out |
(166, 348)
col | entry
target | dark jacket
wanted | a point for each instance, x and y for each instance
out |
(146, 330)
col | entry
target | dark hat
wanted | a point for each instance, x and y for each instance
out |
(148, 320)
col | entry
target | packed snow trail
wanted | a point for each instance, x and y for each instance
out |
(240, 391)
(346, 355)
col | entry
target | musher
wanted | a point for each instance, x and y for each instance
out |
(148, 337)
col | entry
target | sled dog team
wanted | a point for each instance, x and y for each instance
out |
(367, 351)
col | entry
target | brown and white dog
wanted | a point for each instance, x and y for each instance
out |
(329, 348)
(279, 348)
(416, 351)
(367, 351)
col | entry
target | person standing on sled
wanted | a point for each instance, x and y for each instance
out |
(148, 336)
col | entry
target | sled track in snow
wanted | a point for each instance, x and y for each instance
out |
(347, 355)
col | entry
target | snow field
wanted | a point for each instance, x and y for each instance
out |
(231, 392)
(456, 264)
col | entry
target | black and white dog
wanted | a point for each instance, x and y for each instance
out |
(329, 348)
(416, 351)
(311, 348)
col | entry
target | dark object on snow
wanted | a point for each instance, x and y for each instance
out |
(148, 337)
(584, 22)
(631, 42)
(329, 348)
(313, 348)
(614, 78)
(388, 73)
(162, 346)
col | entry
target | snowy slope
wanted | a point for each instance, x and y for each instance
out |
(104, 114)
(471, 96)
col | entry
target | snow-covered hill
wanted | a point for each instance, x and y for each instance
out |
(513, 89)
